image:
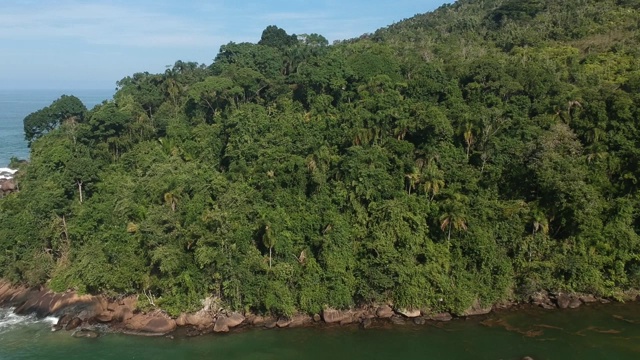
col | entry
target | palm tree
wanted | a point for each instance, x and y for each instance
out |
(432, 179)
(539, 223)
(171, 200)
(468, 138)
(269, 241)
(453, 216)
(413, 178)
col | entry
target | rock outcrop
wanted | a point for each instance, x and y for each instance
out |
(332, 316)
(7, 182)
(157, 325)
(226, 322)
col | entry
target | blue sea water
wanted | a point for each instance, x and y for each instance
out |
(16, 104)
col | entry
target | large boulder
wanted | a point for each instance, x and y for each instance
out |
(445, 316)
(588, 298)
(151, 324)
(73, 324)
(105, 317)
(563, 300)
(226, 322)
(542, 299)
(300, 320)
(409, 313)
(477, 309)
(384, 312)
(7, 185)
(331, 316)
(201, 319)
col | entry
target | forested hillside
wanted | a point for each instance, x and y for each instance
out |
(483, 151)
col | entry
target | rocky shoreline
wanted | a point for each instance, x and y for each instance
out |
(84, 314)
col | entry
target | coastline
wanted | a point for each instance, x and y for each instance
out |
(84, 314)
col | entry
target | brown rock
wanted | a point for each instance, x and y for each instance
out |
(200, 319)
(398, 320)
(384, 312)
(419, 320)
(74, 323)
(366, 323)
(225, 322)
(587, 299)
(574, 303)
(151, 324)
(317, 317)
(445, 316)
(105, 317)
(160, 325)
(542, 299)
(563, 300)
(270, 323)
(258, 321)
(64, 320)
(300, 320)
(348, 319)
(477, 309)
(331, 316)
(181, 320)
(283, 322)
(122, 314)
(7, 186)
(409, 313)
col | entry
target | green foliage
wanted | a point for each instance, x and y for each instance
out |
(483, 151)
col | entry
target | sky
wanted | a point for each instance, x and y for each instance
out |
(90, 44)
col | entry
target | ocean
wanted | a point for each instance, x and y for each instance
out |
(15, 105)
(592, 332)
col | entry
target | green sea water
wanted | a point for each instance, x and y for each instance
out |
(594, 332)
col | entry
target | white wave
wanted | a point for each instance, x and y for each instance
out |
(50, 320)
(9, 320)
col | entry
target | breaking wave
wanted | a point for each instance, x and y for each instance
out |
(9, 320)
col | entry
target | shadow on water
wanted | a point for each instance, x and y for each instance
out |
(594, 332)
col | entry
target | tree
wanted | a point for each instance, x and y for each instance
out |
(274, 36)
(65, 108)
(453, 215)
(268, 240)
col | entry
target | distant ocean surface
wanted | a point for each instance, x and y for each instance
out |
(16, 104)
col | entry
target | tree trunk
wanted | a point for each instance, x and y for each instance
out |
(80, 190)
(270, 257)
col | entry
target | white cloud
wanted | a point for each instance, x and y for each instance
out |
(103, 24)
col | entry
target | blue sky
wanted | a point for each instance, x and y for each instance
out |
(88, 44)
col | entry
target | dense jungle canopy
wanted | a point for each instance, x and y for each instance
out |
(484, 151)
